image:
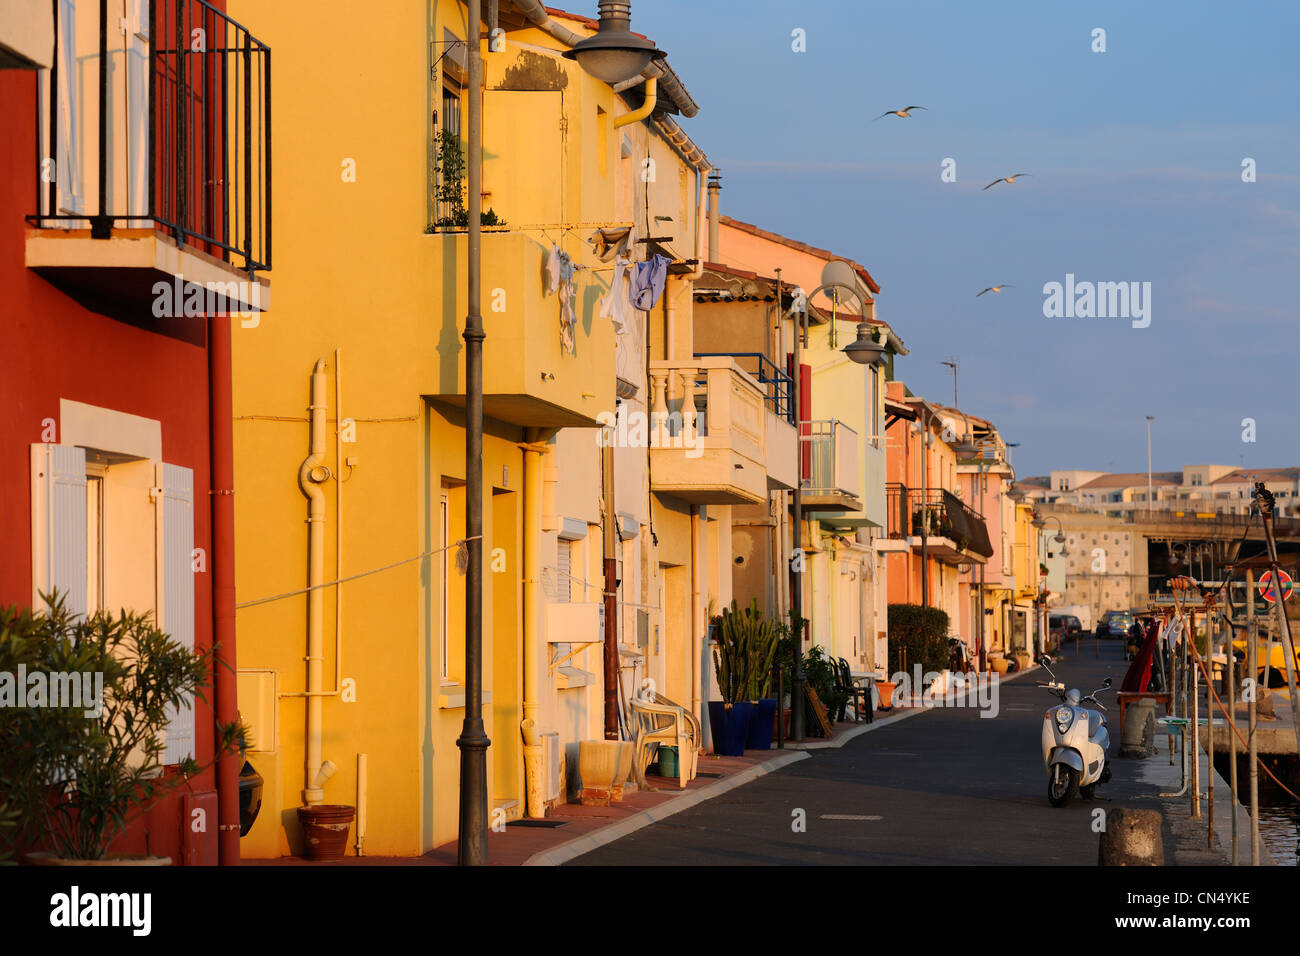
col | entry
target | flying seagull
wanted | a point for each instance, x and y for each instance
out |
(905, 112)
(995, 288)
(1006, 179)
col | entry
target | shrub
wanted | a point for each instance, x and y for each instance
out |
(74, 776)
(917, 635)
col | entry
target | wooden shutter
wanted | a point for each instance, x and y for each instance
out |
(174, 501)
(59, 524)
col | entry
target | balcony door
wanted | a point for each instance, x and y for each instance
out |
(75, 110)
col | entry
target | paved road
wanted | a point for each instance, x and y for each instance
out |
(943, 787)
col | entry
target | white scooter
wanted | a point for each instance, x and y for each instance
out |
(1075, 741)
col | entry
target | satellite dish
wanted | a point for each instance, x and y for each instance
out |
(842, 280)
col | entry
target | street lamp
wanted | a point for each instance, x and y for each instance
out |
(614, 53)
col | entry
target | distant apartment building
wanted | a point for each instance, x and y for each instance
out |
(1195, 489)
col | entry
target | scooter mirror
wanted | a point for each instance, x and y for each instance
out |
(1044, 660)
(1106, 682)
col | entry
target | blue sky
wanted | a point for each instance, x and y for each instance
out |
(1136, 161)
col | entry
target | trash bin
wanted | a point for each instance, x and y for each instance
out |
(667, 761)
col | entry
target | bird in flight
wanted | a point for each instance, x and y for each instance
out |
(995, 288)
(1006, 179)
(905, 112)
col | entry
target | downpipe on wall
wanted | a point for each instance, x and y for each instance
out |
(312, 474)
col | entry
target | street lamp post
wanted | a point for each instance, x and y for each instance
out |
(613, 54)
(473, 740)
(864, 350)
(1150, 419)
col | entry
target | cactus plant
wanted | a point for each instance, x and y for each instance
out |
(743, 652)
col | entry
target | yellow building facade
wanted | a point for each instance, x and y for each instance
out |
(349, 433)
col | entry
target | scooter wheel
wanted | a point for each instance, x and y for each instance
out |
(1062, 784)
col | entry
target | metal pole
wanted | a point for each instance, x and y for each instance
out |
(611, 593)
(1232, 734)
(1279, 604)
(1149, 418)
(473, 741)
(796, 673)
(1252, 669)
(1209, 731)
(983, 659)
(1194, 751)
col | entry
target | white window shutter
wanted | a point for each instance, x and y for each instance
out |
(175, 530)
(564, 571)
(59, 524)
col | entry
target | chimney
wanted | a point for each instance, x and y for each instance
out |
(715, 187)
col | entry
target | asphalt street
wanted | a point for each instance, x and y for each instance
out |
(940, 788)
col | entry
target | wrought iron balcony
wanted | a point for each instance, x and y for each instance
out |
(166, 132)
(940, 516)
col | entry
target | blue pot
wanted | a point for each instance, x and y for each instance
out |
(762, 725)
(730, 727)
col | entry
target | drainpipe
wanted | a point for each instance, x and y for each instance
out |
(696, 612)
(312, 474)
(224, 673)
(608, 521)
(715, 187)
(534, 789)
(645, 109)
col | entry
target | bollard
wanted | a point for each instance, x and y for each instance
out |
(1139, 729)
(1131, 838)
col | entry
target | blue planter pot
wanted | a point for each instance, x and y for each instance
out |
(730, 727)
(762, 725)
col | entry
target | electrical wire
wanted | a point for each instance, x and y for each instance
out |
(353, 577)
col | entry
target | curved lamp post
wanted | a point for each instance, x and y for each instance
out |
(613, 55)
(864, 350)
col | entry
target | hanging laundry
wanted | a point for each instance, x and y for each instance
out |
(559, 278)
(648, 282)
(616, 302)
(607, 243)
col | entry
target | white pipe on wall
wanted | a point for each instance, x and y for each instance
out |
(311, 474)
(362, 785)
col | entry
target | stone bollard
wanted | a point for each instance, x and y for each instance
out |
(1139, 729)
(1264, 702)
(1131, 838)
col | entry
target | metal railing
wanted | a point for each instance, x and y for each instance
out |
(829, 457)
(935, 512)
(207, 136)
(778, 387)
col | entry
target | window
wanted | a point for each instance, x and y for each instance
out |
(113, 530)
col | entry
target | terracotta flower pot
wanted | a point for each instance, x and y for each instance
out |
(325, 828)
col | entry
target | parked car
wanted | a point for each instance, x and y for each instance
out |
(1064, 627)
(1115, 624)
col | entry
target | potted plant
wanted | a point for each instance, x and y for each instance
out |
(745, 644)
(77, 775)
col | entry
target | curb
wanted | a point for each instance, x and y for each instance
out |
(616, 831)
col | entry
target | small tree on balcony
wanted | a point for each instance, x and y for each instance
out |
(450, 192)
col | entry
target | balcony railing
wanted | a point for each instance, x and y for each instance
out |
(938, 513)
(831, 459)
(778, 387)
(190, 151)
